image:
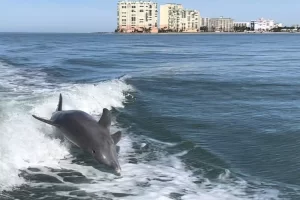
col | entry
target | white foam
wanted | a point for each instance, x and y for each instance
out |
(19, 81)
(24, 143)
(23, 140)
(22, 146)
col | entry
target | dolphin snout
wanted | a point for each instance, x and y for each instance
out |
(117, 168)
(118, 171)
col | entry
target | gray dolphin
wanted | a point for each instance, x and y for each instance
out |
(85, 132)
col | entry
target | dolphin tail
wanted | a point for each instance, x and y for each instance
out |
(45, 121)
(59, 106)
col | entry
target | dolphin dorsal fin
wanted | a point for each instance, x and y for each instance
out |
(116, 137)
(59, 106)
(105, 119)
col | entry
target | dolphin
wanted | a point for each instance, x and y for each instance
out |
(85, 132)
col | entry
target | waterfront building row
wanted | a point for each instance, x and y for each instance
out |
(147, 16)
(137, 16)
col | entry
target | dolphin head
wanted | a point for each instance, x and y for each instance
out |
(105, 150)
(107, 154)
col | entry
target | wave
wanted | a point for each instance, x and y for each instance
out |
(23, 143)
(19, 81)
(34, 161)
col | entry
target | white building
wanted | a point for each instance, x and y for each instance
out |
(278, 25)
(137, 15)
(262, 24)
(175, 17)
(204, 22)
(220, 24)
(190, 20)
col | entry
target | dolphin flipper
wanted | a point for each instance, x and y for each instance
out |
(105, 120)
(59, 106)
(45, 121)
(116, 137)
(118, 149)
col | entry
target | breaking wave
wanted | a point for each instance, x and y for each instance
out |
(33, 160)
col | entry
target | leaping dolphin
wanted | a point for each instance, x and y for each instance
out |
(85, 132)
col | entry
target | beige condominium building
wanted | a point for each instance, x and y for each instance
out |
(175, 17)
(170, 15)
(190, 21)
(220, 24)
(137, 16)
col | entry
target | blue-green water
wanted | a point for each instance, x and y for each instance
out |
(203, 116)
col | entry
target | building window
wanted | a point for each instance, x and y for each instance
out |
(150, 12)
(123, 6)
(141, 10)
(133, 19)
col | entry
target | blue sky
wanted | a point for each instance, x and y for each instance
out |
(100, 15)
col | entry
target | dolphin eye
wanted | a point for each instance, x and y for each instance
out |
(94, 151)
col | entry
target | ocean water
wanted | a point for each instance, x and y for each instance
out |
(212, 117)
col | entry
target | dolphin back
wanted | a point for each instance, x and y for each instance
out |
(90, 135)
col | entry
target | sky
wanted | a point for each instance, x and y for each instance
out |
(101, 15)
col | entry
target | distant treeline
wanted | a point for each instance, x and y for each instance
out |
(286, 28)
(205, 29)
(141, 30)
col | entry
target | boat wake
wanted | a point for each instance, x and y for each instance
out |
(36, 165)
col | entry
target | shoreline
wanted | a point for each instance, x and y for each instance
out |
(208, 33)
(170, 33)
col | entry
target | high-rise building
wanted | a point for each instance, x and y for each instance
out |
(174, 17)
(221, 24)
(190, 20)
(137, 16)
(170, 16)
